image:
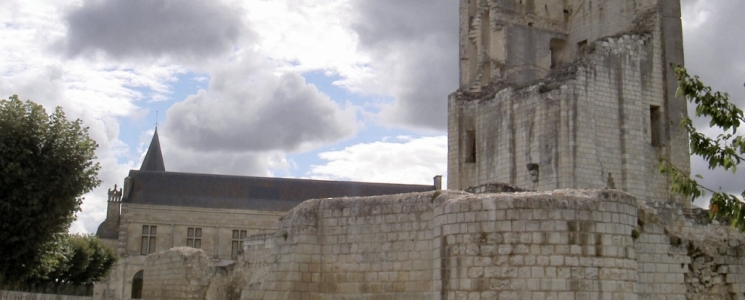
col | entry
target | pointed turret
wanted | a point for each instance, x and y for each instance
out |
(154, 158)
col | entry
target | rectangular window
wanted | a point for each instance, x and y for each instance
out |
(194, 237)
(237, 242)
(655, 124)
(470, 146)
(147, 245)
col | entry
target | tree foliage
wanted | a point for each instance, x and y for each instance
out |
(725, 151)
(81, 259)
(46, 165)
(72, 260)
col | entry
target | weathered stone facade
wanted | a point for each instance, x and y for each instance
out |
(565, 244)
(567, 94)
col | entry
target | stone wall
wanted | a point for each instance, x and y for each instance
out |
(172, 229)
(566, 244)
(9, 295)
(679, 257)
(362, 248)
(180, 273)
(578, 115)
(576, 126)
(563, 244)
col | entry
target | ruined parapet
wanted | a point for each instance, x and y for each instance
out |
(578, 89)
(562, 244)
(681, 253)
(491, 188)
(571, 129)
(565, 244)
(452, 245)
(182, 273)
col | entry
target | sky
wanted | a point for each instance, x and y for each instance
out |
(332, 89)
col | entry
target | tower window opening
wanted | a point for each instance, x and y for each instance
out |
(655, 125)
(581, 46)
(470, 146)
(559, 53)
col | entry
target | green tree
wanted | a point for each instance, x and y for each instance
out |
(72, 261)
(46, 165)
(90, 262)
(725, 151)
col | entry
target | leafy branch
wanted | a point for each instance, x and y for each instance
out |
(724, 151)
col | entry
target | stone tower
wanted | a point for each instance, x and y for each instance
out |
(567, 94)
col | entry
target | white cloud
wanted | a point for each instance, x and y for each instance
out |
(413, 161)
(247, 112)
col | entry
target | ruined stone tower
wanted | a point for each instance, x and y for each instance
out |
(567, 94)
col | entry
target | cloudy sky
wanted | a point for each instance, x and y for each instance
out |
(332, 89)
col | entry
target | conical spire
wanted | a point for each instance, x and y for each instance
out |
(154, 158)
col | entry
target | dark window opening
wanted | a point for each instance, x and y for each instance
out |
(137, 285)
(655, 124)
(559, 53)
(470, 146)
(582, 46)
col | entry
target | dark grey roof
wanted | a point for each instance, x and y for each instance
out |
(242, 192)
(154, 158)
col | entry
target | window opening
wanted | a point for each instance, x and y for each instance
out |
(237, 242)
(582, 46)
(147, 245)
(194, 237)
(470, 146)
(655, 124)
(559, 53)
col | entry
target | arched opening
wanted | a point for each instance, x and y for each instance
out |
(137, 285)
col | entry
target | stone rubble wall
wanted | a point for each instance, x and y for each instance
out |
(353, 248)
(681, 258)
(454, 245)
(10, 295)
(179, 273)
(563, 244)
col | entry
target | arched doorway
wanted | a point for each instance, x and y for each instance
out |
(137, 285)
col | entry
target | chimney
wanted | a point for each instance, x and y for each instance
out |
(438, 182)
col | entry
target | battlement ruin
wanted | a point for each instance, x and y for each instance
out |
(568, 94)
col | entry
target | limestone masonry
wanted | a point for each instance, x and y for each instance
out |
(564, 244)
(567, 94)
(564, 108)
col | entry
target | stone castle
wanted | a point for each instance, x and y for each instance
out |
(563, 110)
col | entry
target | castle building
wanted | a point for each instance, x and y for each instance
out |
(567, 94)
(570, 99)
(157, 210)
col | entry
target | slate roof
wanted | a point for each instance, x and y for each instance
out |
(244, 192)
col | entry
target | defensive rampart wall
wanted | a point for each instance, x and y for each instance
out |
(564, 244)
